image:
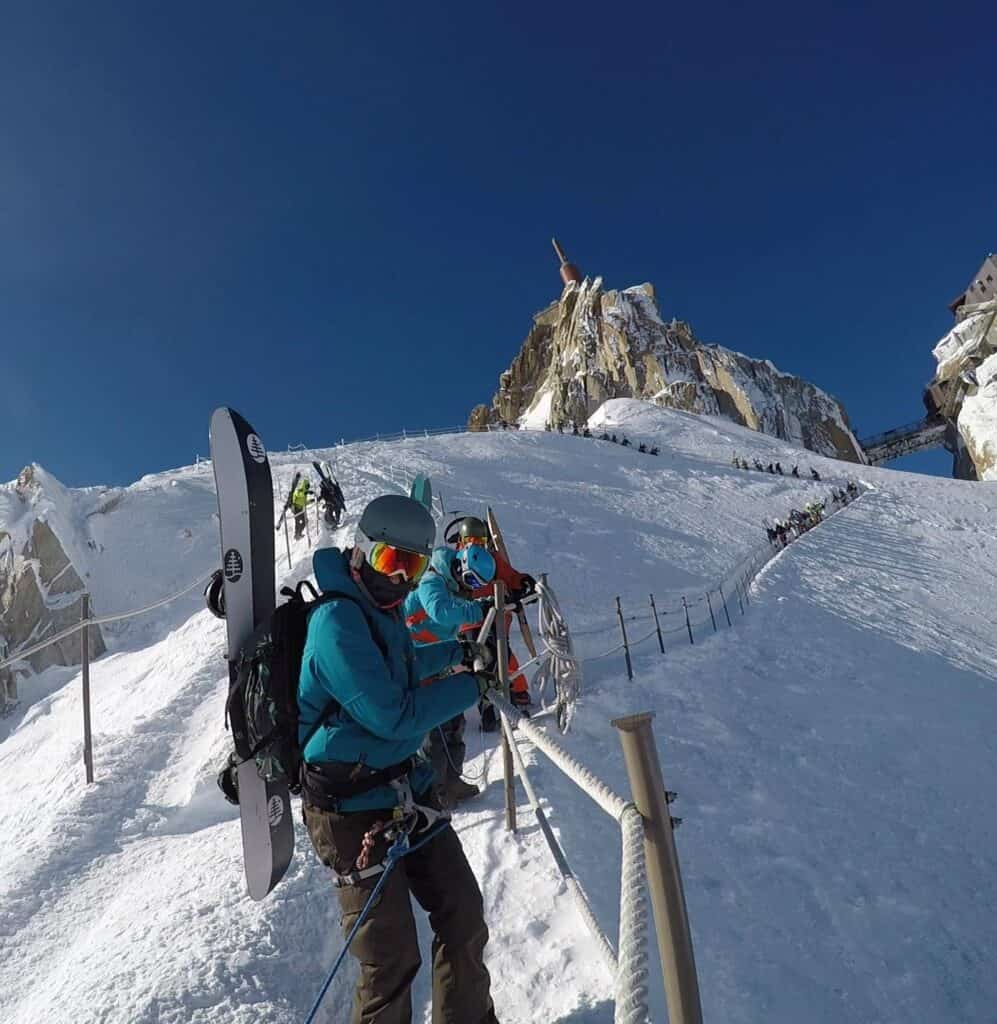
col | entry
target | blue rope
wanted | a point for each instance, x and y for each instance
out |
(398, 849)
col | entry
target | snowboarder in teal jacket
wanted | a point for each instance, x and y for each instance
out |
(439, 609)
(385, 711)
(362, 788)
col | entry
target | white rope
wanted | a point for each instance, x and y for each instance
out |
(594, 787)
(99, 621)
(581, 902)
(559, 670)
(632, 972)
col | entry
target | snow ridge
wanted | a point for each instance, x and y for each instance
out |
(806, 745)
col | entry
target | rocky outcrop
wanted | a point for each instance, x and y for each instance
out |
(593, 345)
(964, 389)
(41, 590)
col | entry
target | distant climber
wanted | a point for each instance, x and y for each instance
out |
(299, 506)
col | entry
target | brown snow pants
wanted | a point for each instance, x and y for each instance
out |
(387, 946)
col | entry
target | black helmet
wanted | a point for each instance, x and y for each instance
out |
(472, 528)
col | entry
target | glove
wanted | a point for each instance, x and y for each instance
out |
(478, 658)
(527, 586)
(487, 604)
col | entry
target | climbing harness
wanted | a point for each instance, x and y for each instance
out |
(400, 847)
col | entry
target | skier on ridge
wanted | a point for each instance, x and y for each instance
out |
(362, 782)
(439, 609)
(299, 505)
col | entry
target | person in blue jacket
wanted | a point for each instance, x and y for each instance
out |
(367, 698)
(440, 608)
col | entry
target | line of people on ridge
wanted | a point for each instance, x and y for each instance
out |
(586, 432)
(784, 531)
(772, 467)
(396, 655)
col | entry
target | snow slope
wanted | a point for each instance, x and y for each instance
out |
(833, 752)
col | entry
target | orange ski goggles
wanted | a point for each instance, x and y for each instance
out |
(392, 561)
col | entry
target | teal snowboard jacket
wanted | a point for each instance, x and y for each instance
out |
(435, 610)
(386, 712)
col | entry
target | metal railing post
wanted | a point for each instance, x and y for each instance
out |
(671, 919)
(626, 644)
(709, 605)
(502, 653)
(688, 624)
(85, 652)
(657, 625)
(724, 599)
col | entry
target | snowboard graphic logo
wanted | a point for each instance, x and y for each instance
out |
(232, 564)
(255, 448)
(275, 811)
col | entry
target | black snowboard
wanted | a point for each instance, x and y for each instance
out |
(245, 512)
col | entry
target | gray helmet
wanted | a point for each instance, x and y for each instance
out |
(400, 521)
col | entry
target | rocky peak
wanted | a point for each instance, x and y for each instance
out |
(41, 590)
(595, 344)
(964, 389)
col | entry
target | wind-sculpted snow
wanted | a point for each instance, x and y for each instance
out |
(833, 751)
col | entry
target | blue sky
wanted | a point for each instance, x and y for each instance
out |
(336, 217)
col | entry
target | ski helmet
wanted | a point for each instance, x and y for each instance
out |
(395, 535)
(475, 566)
(472, 529)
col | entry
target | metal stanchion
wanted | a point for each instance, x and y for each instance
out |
(713, 618)
(688, 624)
(724, 599)
(657, 625)
(502, 653)
(626, 644)
(85, 651)
(664, 878)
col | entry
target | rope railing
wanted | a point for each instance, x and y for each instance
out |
(629, 966)
(715, 604)
(99, 620)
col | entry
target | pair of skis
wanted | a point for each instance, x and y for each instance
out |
(290, 496)
(330, 493)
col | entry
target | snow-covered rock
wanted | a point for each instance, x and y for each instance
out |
(965, 385)
(41, 589)
(593, 345)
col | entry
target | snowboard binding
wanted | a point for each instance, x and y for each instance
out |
(214, 594)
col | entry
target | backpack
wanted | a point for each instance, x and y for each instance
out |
(262, 704)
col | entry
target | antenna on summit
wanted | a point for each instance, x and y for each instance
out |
(569, 272)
